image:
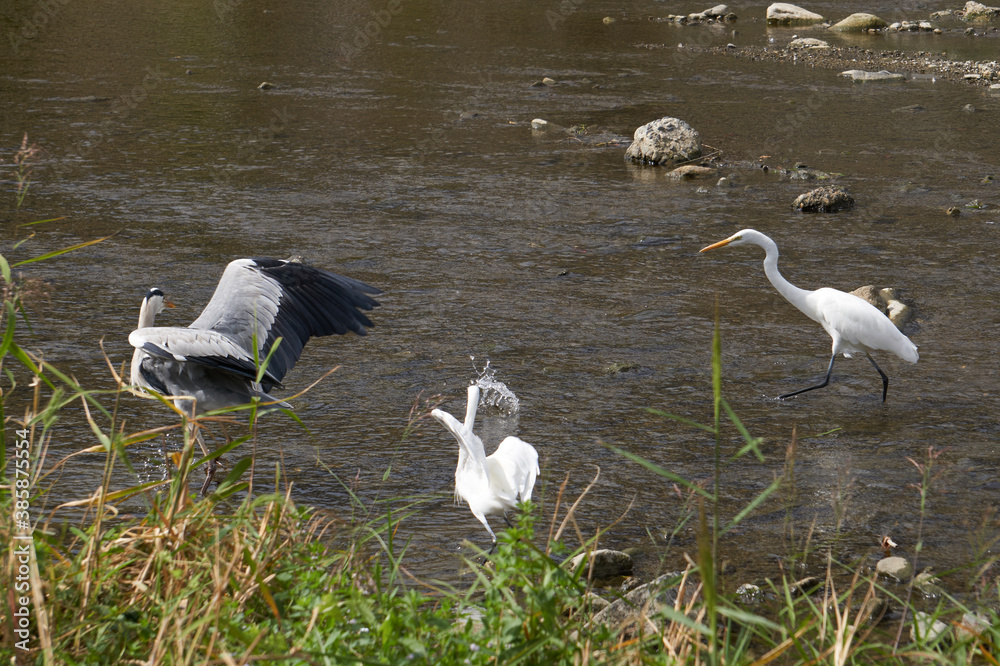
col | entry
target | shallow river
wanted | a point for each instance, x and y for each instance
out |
(395, 146)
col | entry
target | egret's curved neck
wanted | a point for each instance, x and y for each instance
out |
(792, 294)
(147, 314)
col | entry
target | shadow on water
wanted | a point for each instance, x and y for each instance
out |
(395, 145)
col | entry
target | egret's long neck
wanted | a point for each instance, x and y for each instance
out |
(792, 294)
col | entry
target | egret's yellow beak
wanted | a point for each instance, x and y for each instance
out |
(721, 243)
(169, 304)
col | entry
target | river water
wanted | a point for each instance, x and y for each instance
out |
(395, 146)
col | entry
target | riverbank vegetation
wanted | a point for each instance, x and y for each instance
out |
(249, 574)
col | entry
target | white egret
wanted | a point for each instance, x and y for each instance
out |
(855, 325)
(212, 363)
(490, 485)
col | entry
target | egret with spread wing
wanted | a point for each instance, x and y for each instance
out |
(490, 485)
(856, 326)
(213, 363)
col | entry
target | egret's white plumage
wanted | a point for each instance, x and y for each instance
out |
(492, 484)
(256, 301)
(856, 326)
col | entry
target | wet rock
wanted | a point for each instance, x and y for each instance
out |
(870, 294)
(912, 108)
(717, 11)
(667, 141)
(808, 585)
(749, 594)
(926, 629)
(541, 125)
(827, 199)
(870, 611)
(972, 626)
(634, 609)
(954, 211)
(783, 13)
(265, 86)
(977, 12)
(802, 172)
(861, 75)
(928, 584)
(807, 43)
(604, 563)
(859, 22)
(899, 313)
(895, 567)
(691, 171)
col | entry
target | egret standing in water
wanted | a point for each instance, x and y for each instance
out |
(490, 485)
(856, 326)
(212, 364)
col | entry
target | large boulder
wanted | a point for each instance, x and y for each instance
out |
(667, 141)
(977, 12)
(602, 564)
(782, 13)
(860, 22)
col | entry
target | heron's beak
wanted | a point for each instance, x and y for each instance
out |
(169, 304)
(721, 243)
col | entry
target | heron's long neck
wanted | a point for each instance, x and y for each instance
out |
(792, 294)
(147, 314)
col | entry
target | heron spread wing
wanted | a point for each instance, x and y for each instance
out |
(271, 298)
(518, 461)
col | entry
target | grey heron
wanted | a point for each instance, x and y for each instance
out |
(856, 326)
(491, 484)
(212, 364)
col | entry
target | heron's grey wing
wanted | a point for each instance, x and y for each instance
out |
(272, 298)
(208, 348)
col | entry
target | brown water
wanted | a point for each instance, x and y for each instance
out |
(403, 156)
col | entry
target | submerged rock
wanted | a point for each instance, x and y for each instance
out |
(691, 171)
(783, 13)
(895, 567)
(859, 22)
(807, 43)
(977, 12)
(667, 141)
(827, 199)
(861, 75)
(639, 605)
(869, 294)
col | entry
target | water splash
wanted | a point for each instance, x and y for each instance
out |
(494, 393)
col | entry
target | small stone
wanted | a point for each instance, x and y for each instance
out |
(895, 567)
(749, 594)
(972, 626)
(608, 20)
(807, 43)
(859, 22)
(925, 627)
(861, 75)
(954, 211)
(540, 124)
(692, 171)
(717, 11)
(968, 108)
(928, 584)
(548, 81)
(265, 86)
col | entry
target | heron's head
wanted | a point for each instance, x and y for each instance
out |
(152, 305)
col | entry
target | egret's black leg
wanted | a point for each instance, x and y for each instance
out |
(885, 379)
(826, 380)
(507, 520)
(493, 546)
